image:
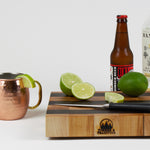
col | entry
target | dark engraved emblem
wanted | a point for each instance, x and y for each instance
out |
(106, 127)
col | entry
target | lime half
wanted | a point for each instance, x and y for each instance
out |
(83, 90)
(66, 82)
(27, 80)
(114, 97)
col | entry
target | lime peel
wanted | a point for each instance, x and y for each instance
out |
(28, 81)
(66, 82)
(133, 84)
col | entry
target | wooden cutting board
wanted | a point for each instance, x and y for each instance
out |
(63, 121)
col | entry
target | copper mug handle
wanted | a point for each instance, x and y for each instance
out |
(40, 96)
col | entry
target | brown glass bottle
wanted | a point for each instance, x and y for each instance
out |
(121, 59)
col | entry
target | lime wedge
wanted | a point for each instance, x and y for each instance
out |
(83, 90)
(66, 82)
(114, 97)
(27, 80)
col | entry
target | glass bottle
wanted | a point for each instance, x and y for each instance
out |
(146, 50)
(121, 59)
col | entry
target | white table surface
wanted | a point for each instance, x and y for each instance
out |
(46, 38)
(29, 133)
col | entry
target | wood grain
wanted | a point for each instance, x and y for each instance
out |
(62, 121)
(146, 124)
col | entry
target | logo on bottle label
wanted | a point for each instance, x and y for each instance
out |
(116, 72)
(146, 35)
(106, 127)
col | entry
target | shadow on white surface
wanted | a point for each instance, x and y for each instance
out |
(35, 113)
(32, 126)
(97, 138)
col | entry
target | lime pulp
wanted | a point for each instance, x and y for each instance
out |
(114, 97)
(83, 90)
(28, 81)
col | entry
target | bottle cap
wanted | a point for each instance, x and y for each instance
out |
(122, 16)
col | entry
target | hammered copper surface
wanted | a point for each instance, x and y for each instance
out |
(14, 99)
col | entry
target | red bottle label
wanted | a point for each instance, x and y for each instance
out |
(116, 72)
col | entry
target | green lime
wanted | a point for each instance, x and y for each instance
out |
(114, 97)
(83, 90)
(66, 82)
(27, 80)
(133, 83)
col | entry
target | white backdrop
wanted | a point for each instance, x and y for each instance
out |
(46, 38)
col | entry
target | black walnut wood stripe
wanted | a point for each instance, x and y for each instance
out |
(53, 94)
(142, 102)
(78, 102)
(93, 111)
(60, 94)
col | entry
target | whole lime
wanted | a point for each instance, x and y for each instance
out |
(133, 83)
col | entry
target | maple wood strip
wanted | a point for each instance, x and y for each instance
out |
(146, 124)
(89, 125)
(73, 99)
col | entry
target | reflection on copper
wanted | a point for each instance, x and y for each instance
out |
(14, 99)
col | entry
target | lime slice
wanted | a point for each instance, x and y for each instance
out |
(27, 80)
(66, 82)
(83, 90)
(114, 97)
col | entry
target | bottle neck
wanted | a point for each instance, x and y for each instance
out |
(121, 40)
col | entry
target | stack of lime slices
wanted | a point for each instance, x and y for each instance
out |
(72, 85)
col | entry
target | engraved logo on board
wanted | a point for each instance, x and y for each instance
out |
(106, 127)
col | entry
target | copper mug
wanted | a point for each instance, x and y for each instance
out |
(14, 97)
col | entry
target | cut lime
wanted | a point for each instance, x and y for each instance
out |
(66, 82)
(83, 90)
(27, 80)
(114, 97)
